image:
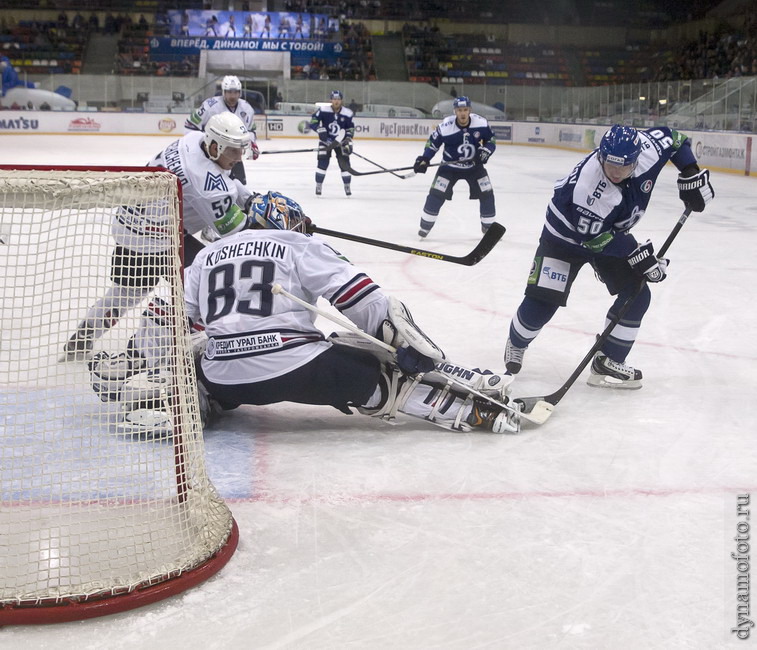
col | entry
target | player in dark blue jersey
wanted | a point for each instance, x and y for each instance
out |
(335, 130)
(468, 143)
(588, 220)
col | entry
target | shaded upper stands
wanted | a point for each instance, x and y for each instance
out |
(723, 55)
(43, 47)
(134, 56)
(629, 64)
(433, 57)
(355, 65)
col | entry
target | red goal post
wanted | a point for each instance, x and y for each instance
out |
(95, 517)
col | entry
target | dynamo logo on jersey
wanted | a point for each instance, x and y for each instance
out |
(215, 182)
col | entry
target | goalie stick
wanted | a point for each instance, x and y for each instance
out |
(383, 171)
(540, 408)
(278, 289)
(482, 249)
(411, 174)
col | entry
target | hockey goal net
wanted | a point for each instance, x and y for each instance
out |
(95, 517)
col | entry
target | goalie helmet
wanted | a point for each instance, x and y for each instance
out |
(227, 131)
(231, 82)
(278, 212)
(620, 146)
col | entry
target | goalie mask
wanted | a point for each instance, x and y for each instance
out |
(278, 212)
(229, 133)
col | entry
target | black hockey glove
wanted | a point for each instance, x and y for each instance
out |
(694, 188)
(643, 260)
(346, 147)
(484, 154)
(411, 362)
(421, 165)
(323, 134)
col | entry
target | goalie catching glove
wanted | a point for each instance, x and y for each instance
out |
(643, 260)
(694, 188)
(416, 352)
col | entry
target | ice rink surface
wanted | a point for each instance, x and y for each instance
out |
(611, 526)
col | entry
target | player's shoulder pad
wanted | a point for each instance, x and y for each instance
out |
(347, 112)
(211, 101)
(478, 121)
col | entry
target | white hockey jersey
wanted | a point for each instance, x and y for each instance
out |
(254, 335)
(215, 105)
(208, 193)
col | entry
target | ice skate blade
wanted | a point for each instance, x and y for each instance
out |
(603, 381)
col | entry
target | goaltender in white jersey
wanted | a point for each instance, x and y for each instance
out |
(255, 291)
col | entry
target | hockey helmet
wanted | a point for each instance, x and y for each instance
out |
(462, 102)
(231, 82)
(227, 131)
(275, 211)
(620, 146)
(336, 94)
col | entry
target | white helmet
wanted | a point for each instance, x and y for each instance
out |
(227, 130)
(231, 83)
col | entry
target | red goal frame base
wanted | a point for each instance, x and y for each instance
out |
(65, 611)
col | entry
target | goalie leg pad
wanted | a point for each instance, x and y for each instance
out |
(494, 384)
(108, 374)
(146, 424)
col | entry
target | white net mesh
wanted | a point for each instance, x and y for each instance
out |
(99, 494)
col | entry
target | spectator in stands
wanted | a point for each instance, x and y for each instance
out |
(94, 22)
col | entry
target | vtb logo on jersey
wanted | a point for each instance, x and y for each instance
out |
(215, 182)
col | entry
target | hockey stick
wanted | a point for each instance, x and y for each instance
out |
(384, 171)
(540, 408)
(355, 153)
(277, 289)
(290, 151)
(482, 249)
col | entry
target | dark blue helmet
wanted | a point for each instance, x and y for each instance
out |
(336, 94)
(461, 102)
(620, 146)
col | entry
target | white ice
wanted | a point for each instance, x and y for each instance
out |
(611, 526)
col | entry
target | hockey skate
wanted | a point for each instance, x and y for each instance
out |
(513, 357)
(347, 190)
(79, 346)
(318, 189)
(485, 415)
(613, 374)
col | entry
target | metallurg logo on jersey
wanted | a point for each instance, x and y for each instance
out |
(215, 182)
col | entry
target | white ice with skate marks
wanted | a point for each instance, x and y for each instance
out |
(610, 526)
